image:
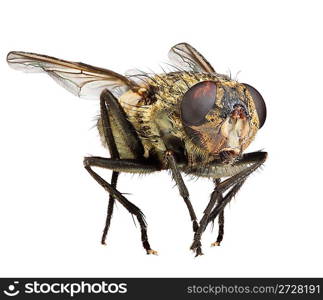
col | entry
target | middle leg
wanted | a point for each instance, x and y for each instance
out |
(181, 186)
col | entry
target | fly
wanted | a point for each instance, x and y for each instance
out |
(191, 120)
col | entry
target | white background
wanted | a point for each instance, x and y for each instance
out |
(51, 211)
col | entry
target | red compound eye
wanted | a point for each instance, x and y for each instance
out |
(197, 102)
(259, 104)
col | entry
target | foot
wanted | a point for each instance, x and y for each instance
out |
(215, 244)
(198, 252)
(151, 251)
(196, 247)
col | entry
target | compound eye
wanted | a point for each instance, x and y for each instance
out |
(259, 104)
(197, 102)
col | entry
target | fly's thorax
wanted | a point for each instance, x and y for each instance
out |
(149, 117)
(169, 89)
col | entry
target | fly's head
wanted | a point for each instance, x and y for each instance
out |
(222, 117)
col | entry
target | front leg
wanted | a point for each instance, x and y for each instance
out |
(169, 156)
(220, 218)
(249, 163)
(219, 211)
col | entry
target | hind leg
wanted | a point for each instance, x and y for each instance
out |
(132, 166)
(110, 107)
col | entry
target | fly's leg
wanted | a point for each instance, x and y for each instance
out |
(133, 166)
(114, 179)
(110, 107)
(234, 183)
(219, 211)
(115, 155)
(221, 230)
(220, 218)
(169, 156)
(126, 129)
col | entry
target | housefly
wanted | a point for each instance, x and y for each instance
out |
(189, 120)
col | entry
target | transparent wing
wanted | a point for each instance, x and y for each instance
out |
(80, 79)
(186, 57)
